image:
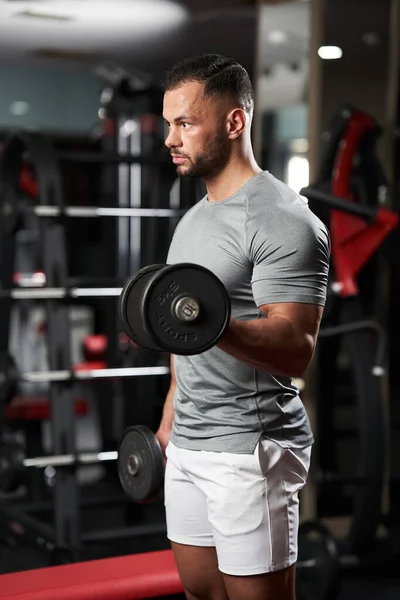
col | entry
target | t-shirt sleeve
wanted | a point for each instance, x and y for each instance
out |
(290, 259)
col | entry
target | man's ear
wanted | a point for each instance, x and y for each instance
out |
(236, 122)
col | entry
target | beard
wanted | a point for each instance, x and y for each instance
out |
(210, 162)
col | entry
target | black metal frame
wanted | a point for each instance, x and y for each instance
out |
(66, 527)
(367, 353)
(16, 522)
(349, 319)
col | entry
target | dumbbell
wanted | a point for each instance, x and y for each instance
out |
(181, 309)
(140, 464)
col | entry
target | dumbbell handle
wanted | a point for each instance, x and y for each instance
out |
(186, 309)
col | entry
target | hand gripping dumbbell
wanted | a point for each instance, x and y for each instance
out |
(181, 309)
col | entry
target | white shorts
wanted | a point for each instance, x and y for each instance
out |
(246, 505)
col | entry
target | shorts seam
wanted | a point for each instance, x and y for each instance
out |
(288, 520)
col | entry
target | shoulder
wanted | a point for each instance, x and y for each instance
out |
(274, 208)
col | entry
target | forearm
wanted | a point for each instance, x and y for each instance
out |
(273, 344)
(168, 410)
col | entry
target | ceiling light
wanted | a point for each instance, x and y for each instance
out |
(277, 36)
(330, 52)
(100, 11)
(19, 108)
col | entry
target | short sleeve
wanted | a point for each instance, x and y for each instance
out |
(290, 259)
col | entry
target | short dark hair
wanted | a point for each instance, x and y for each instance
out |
(222, 76)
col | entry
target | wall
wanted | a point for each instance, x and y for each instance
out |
(60, 100)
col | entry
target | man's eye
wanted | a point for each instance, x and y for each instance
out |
(185, 125)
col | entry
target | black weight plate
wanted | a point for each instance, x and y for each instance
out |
(317, 573)
(8, 378)
(130, 302)
(12, 455)
(10, 213)
(185, 279)
(141, 443)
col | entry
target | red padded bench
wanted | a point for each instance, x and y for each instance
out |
(28, 408)
(133, 577)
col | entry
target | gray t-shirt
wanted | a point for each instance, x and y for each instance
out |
(266, 246)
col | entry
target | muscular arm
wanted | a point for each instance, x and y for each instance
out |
(281, 344)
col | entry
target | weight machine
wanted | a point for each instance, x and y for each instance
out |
(350, 195)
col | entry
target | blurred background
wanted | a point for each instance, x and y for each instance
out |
(81, 127)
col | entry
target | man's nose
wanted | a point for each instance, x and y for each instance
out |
(173, 139)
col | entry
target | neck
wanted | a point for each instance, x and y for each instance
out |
(241, 167)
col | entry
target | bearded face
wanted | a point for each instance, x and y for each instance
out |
(197, 139)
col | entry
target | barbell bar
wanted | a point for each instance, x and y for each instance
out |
(114, 158)
(335, 202)
(51, 293)
(98, 211)
(13, 461)
(65, 460)
(66, 375)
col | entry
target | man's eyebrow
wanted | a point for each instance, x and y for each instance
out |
(181, 118)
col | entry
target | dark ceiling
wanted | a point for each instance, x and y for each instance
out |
(360, 28)
(223, 26)
(226, 26)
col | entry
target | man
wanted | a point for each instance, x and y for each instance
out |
(240, 444)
